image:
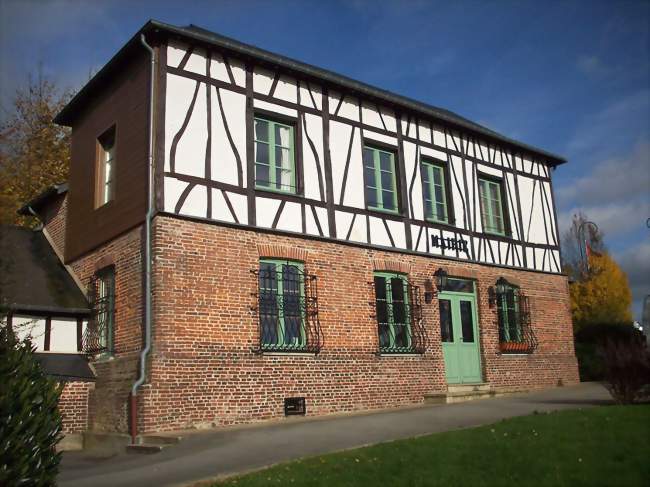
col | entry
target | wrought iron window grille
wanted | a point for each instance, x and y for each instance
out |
(515, 331)
(98, 336)
(399, 320)
(286, 303)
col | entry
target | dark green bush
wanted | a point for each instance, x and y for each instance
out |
(30, 424)
(590, 340)
(627, 369)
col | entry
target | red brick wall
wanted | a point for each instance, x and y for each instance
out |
(54, 219)
(73, 406)
(203, 371)
(115, 375)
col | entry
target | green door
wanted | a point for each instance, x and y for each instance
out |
(459, 334)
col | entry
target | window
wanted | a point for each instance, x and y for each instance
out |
(435, 192)
(380, 181)
(393, 312)
(98, 337)
(515, 335)
(106, 168)
(282, 305)
(491, 206)
(275, 167)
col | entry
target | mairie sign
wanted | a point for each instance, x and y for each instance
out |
(449, 243)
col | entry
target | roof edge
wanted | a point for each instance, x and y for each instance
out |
(43, 197)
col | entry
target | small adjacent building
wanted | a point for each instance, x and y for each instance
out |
(318, 245)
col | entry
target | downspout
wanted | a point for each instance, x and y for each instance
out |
(147, 254)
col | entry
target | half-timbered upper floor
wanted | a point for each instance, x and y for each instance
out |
(245, 137)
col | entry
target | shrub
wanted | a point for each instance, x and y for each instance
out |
(31, 424)
(627, 369)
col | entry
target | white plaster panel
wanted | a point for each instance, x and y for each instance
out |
(453, 141)
(543, 264)
(436, 154)
(290, 218)
(503, 248)
(334, 97)
(262, 80)
(266, 208)
(413, 179)
(196, 203)
(455, 168)
(349, 108)
(519, 166)
(220, 210)
(239, 204)
(310, 222)
(398, 233)
(286, 89)
(370, 115)
(529, 257)
(272, 107)
(420, 246)
(175, 52)
(31, 327)
(197, 62)
(469, 148)
(511, 203)
(424, 132)
(63, 335)
(340, 133)
(343, 222)
(323, 220)
(224, 166)
(378, 234)
(533, 226)
(386, 139)
(482, 151)
(439, 136)
(313, 128)
(310, 94)
(218, 69)
(190, 150)
(173, 189)
(548, 211)
(527, 165)
(238, 71)
(489, 170)
(354, 190)
(389, 119)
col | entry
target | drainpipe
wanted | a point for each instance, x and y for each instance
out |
(147, 252)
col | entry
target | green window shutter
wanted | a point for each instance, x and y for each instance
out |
(380, 179)
(491, 206)
(393, 312)
(275, 167)
(434, 192)
(282, 305)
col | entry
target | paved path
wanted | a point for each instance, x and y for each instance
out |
(206, 455)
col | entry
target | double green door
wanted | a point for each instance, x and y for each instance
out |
(460, 339)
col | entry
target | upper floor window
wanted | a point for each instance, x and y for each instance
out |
(275, 167)
(492, 212)
(99, 335)
(380, 179)
(105, 183)
(397, 306)
(435, 192)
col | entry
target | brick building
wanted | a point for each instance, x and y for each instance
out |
(309, 236)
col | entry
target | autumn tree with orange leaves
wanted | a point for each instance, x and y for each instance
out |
(34, 151)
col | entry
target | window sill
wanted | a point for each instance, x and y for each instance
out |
(399, 354)
(277, 191)
(379, 212)
(288, 354)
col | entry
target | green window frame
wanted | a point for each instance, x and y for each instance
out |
(393, 312)
(492, 214)
(282, 305)
(434, 192)
(380, 179)
(509, 315)
(275, 164)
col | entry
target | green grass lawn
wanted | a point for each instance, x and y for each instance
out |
(608, 446)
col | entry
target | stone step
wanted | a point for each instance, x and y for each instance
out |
(453, 397)
(160, 439)
(460, 393)
(478, 387)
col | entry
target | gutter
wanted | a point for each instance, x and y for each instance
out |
(147, 255)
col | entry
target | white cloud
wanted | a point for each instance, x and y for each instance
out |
(635, 261)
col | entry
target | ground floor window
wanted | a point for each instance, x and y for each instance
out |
(513, 313)
(99, 335)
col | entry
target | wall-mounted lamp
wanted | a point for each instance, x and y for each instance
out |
(441, 278)
(500, 287)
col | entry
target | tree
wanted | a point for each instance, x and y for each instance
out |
(31, 423)
(572, 243)
(34, 151)
(602, 296)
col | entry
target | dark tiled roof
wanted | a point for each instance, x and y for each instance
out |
(31, 276)
(43, 197)
(65, 366)
(193, 32)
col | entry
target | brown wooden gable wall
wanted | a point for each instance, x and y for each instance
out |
(124, 103)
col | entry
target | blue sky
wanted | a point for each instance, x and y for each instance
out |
(569, 77)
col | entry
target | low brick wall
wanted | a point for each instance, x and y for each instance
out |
(73, 406)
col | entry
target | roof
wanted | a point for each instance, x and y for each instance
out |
(247, 51)
(43, 197)
(33, 278)
(65, 366)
